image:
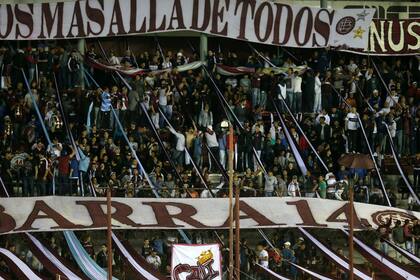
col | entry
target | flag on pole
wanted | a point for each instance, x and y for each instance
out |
(196, 262)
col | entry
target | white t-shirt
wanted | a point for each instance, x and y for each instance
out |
(352, 121)
(293, 189)
(263, 258)
(282, 92)
(297, 85)
(163, 99)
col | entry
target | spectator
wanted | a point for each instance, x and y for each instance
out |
(293, 189)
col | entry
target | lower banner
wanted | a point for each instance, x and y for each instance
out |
(54, 213)
(196, 262)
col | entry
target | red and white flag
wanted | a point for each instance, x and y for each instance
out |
(196, 262)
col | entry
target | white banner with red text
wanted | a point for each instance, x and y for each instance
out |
(196, 262)
(255, 21)
(54, 213)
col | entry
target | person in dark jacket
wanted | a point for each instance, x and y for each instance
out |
(102, 256)
(323, 131)
(245, 148)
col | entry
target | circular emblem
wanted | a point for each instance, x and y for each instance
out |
(382, 217)
(345, 25)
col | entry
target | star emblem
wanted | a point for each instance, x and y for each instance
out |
(362, 16)
(358, 33)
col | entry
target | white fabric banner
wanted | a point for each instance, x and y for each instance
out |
(54, 213)
(255, 21)
(196, 262)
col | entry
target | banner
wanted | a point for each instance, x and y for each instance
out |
(255, 21)
(87, 213)
(196, 262)
(393, 37)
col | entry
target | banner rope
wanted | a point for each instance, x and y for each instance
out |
(19, 265)
(404, 252)
(397, 162)
(295, 150)
(68, 273)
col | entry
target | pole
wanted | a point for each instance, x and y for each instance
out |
(81, 46)
(324, 4)
(237, 233)
(230, 201)
(109, 231)
(203, 47)
(351, 223)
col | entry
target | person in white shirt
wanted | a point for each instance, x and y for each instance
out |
(262, 256)
(154, 260)
(207, 193)
(392, 99)
(293, 188)
(325, 115)
(113, 60)
(352, 66)
(352, 128)
(211, 140)
(317, 99)
(297, 91)
(270, 184)
(178, 153)
(167, 63)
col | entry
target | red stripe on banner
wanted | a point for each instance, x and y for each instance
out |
(269, 273)
(390, 267)
(404, 252)
(141, 261)
(47, 263)
(338, 260)
(20, 269)
(229, 70)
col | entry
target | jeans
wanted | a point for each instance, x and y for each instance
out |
(105, 119)
(409, 246)
(215, 152)
(399, 140)
(41, 187)
(164, 109)
(63, 186)
(384, 247)
(263, 99)
(352, 139)
(155, 119)
(268, 193)
(256, 164)
(178, 157)
(222, 158)
(255, 97)
(244, 160)
(317, 103)
(28, 186)
(298, 102)
(291, 100)
(416, 175)
(95, 116)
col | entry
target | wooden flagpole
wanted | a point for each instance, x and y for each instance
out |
(237, 235)
(109, 231)
(230, 201)
(351, 223)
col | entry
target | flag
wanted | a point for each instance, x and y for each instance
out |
(196, 262)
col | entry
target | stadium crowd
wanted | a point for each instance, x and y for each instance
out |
(95, 155)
